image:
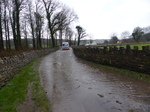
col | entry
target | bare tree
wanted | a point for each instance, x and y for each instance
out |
(91, 38)
(18, 5)
(10, 8)
(39, 23)
(6, 24)
(125, 34)
(58, 16)
(31, 21)
(81, 33)
(19, 17)
(25, 33)
(68, 35)
(65, 18)
(8, 34)
(114, 39)
(48, 37)
(15, 7)
(50, 7)
(146, 29)
(1, 30)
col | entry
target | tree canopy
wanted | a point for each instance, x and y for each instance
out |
(137, 33)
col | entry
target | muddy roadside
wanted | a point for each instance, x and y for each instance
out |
(36, 97)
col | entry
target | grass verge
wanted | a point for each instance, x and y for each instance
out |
(14, 93)
(133, 74)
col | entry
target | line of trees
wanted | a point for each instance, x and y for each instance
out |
(138, 35)
(40, 20)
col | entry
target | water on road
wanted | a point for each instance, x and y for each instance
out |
(74, 86)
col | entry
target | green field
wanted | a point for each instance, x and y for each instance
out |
(132, 45)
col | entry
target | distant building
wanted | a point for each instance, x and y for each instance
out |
(88, 43)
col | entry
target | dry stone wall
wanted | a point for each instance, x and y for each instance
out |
(11, 65)
(126, 58)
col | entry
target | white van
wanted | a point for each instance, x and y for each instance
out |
(65, 46)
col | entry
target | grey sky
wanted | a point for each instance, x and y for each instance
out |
(101, 18)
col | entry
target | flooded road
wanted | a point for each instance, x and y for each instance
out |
(74, 86)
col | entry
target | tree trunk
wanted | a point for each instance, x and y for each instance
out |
(40, 42)
(75, 41)
(1, 31)
(33, 37)
(51, 30)
(70, 42)
(78, 41)
(37, 37)
(13, 24)
(26, 37)
(52, 36)
(5, 25)
(9, 46)
(32, 26)
(47, 39)
(56, 39)
(18, 28)
(60, 37)
(32, 30)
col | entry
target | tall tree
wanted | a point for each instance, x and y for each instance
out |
(18, 5)
(39, 23)
(48, 37)
(106, 41)
(31, 21)
(11, 11)
(15, 7)
(65, 18)
(81, 33)
(50, 7)
(8, 34)
(58, 16)
(68, 35)
(1, 30)
(25, 33)
(114, 39)
(6, 25)
(137, 33)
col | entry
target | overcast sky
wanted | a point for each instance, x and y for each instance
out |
(101, 18)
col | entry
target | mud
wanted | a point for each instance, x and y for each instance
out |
(74, 86)
(27, 106)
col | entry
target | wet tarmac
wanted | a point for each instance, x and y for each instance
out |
(74, 86)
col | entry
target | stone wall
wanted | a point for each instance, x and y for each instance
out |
(11, 65)
(126, 58)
